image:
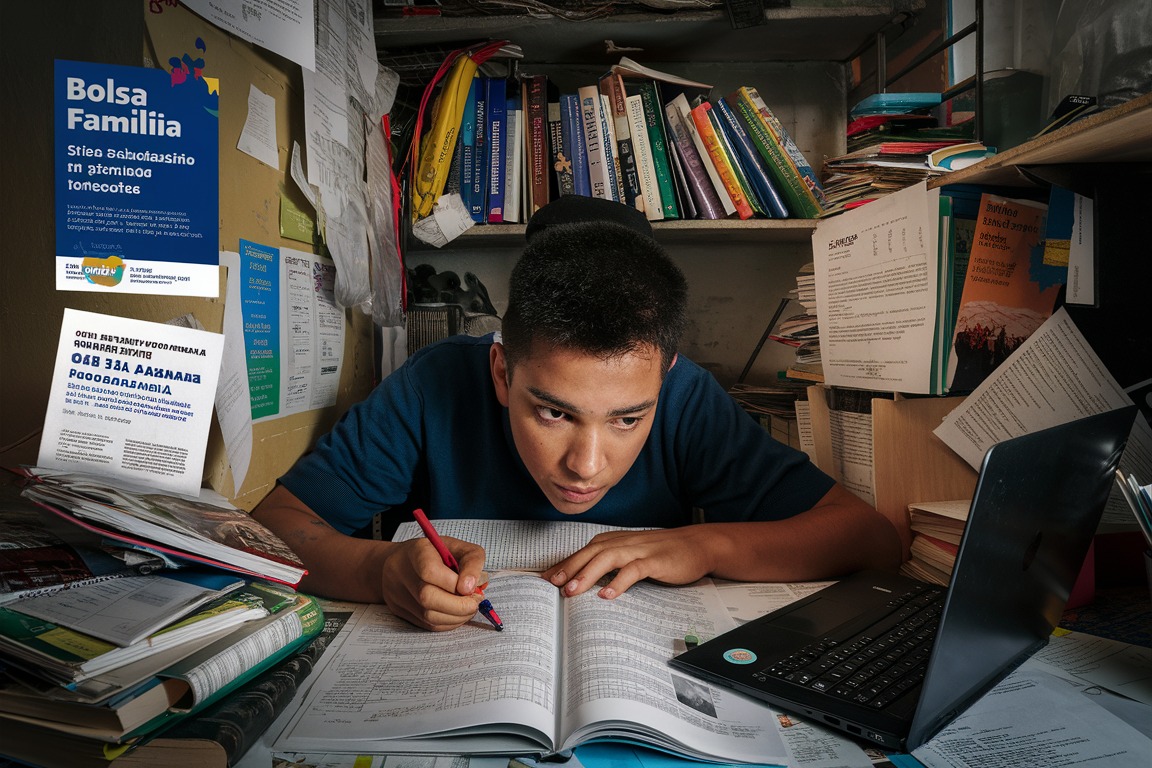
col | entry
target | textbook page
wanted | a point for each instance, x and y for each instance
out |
(390, 680)
(516, 545)
(877, 271)
(617, 682)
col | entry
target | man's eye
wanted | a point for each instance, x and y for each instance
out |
(627, 422)
(549, 414)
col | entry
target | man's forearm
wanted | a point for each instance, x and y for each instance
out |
(339, 566)
(839, 535)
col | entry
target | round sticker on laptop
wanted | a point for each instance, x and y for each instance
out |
(739, 656)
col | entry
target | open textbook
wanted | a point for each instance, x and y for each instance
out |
(565, 671)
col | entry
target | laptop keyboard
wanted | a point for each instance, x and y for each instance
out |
(876, 666)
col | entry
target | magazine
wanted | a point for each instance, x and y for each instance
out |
(206, 530)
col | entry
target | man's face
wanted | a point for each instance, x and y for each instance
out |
(578, 421)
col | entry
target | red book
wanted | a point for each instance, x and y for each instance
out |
(535, 94)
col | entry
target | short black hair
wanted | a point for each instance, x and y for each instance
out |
(597, 287)
(568, 209)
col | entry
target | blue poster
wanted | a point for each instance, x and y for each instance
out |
(137, 178)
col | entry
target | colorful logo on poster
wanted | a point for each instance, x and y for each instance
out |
(108, 270)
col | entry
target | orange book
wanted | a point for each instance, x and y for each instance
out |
(1009, 291)
(720, 159)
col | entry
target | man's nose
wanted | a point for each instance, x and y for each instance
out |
(586, 457)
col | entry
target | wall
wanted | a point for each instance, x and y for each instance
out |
(733, 291)
(128, 32)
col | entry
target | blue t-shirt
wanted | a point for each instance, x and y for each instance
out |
(433, 435)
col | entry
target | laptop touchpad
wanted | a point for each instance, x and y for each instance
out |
(817, 617)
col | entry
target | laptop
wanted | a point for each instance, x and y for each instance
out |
(1038, 501)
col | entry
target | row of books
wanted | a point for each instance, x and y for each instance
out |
(125, 613)
(646, 138)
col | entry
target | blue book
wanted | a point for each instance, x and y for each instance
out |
(478, 198)
(750, 161)
(495, 137)
(573, 138)
(467, 146)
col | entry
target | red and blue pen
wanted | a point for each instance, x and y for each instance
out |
(450, 561)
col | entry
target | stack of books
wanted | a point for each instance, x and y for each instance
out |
(893, 141)
(660, 143)
(164, 605)
(936, 531)
(802, 331)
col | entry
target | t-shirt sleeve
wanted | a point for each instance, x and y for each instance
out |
(366, 463)
(733, 468)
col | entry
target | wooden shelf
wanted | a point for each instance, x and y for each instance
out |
(696, 231)
(831, 33)
(1122, 134)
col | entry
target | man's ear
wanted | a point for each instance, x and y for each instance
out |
(675, 357)
(498, 363)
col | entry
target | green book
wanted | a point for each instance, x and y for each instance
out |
(68, 657)
(212, 675)
(649, 92)
(799, 187)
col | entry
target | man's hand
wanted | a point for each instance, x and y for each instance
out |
(419, 588)
(671, 556)
(409, 577)
(838, 535)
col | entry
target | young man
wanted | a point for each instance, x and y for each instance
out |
(582, 409)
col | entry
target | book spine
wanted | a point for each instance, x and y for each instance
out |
(497, 111)
(784, 139)
(234, 664)
(608, 131)
(692, 164)
(513, 162)
(627, 173)
(574, 133)
(699, 116)
(754, 167)
(658, 143)
(591, 120)
(561, 160)
(536, 140)
(792, 186)
(681, 102)
(239, 721)
(645, 168)
(478, 207)
(732, 156)
(684, 201)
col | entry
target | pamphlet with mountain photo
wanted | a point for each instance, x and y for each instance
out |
(1009, 290)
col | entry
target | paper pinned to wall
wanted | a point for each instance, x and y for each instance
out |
(131, 399)
(282, 26)
(258, 138)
